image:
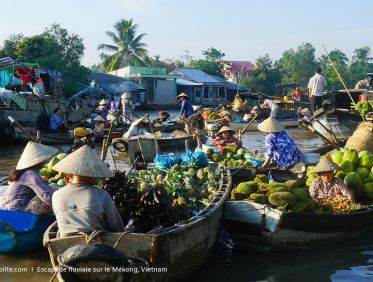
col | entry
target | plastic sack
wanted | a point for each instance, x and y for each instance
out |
(164, 162)
(256, 162)
(197, 159)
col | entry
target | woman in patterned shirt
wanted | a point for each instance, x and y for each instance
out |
(280, 148)
(225, 136)
(326, 186)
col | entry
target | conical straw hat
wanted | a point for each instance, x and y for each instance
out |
(271, 125)
(99, 118)
(226, 128)
(325, 165)
(103, 102)
(84, 162)
(138, 121)
(182, 95)
(35, 153)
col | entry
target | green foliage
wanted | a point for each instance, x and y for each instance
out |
(212, 63)
(127, 49)
(298, 66)
(10, 45)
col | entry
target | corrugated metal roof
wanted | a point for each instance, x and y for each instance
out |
(229, 85)
(195, 75)
(114, 83)
(182, 81)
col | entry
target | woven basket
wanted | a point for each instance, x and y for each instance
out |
(362, 138)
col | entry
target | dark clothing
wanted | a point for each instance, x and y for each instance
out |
(186, 108)
(316, 103)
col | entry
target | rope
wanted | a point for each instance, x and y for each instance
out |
(119, 238)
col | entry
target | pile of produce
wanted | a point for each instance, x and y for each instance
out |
(195, 159)
(230, 159)
(291, 196)
(187, 185)
(210, 115)
(149, 208)
(357, 172)
(50, 175)
(364, 107)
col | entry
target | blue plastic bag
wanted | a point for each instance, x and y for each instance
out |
(197, 159)
(164, 162)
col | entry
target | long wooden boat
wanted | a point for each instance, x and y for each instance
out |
(181, 249)
(169, 128)
(287, 123)
(21, 232)
(258, 226)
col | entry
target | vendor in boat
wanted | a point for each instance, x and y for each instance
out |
(126, 107)
(137, 128)
(27, 191)
(163, 117)
(57, 124)
(113, 106)
(102, 109)
(99, 126)
(297, 94)
(326, 186)
(280, 148)
(80, 206)
(306, 114)
(225, 136)
(268, 103)
(186, 110)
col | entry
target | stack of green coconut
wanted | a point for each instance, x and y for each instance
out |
(289, 196)
(356, 171)
(52, 176)
(230, 159)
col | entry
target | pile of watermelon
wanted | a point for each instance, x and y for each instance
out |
(52, 176)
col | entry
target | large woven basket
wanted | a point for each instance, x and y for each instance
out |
(362, 138)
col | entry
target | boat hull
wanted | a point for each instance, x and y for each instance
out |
(22, 232)
(252, 225)
(181, 249)
(254, 126)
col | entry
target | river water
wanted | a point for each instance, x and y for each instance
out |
(347, 261)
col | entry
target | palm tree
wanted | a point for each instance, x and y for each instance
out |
(127, 49)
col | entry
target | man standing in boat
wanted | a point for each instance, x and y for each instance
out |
(316, 87)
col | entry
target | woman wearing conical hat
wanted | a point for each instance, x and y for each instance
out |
(27, 191)
(280, 148)
(99, 126)
(80, 206)
(102, 109)
(326, 185)
(226, 136)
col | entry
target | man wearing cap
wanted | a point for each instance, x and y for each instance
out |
(280, 148)
(224, 137)
(137, 128)
(27, 191)
(126, 107)
(80, 206)
(326, 186)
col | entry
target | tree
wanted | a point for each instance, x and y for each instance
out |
(10, 45)
(298, 66)
(212, 63)
(128, 48)
(340, 61)
(264, 77)
(361, 55)
(360, 64)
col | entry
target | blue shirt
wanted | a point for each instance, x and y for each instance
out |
(56, 121)
(280, 148)
(186, 108)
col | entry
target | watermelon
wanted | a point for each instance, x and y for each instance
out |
(45, 172)
(347, 166)
(353, 181)
(352, 156)
(61, 183)
(366, 161)
(368, 187)
(362, 172)
(337, 157)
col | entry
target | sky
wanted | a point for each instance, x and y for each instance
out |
(242, 29)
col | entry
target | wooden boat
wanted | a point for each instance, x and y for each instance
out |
(287, 123)
(254, 225)
(21, 232)
(182, 248)
(168, 128)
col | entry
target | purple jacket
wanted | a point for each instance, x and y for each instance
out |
(21, 191)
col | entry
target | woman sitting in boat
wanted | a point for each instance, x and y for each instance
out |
(137, 128)
(27, 191)
(163, 117)
(326, 186)
(57, 124)
(102, 109)
(80, 206)
(280, 148)
(225, 136)
(99, 126)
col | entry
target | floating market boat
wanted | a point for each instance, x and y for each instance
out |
(30, 110)
(21, 232)
(287, 123)
(258, 226)
(182, 248)
(168, 128)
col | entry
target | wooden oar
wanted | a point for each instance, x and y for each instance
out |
(15, 123)
(113, 160)
(309, 127)
(106, 144)
(155, 137)
(193, 133)
(246, 127)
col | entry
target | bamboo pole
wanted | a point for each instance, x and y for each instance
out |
(247, 126)
(155, 137)
(340, 78)
(16, 123)
(113, 160)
